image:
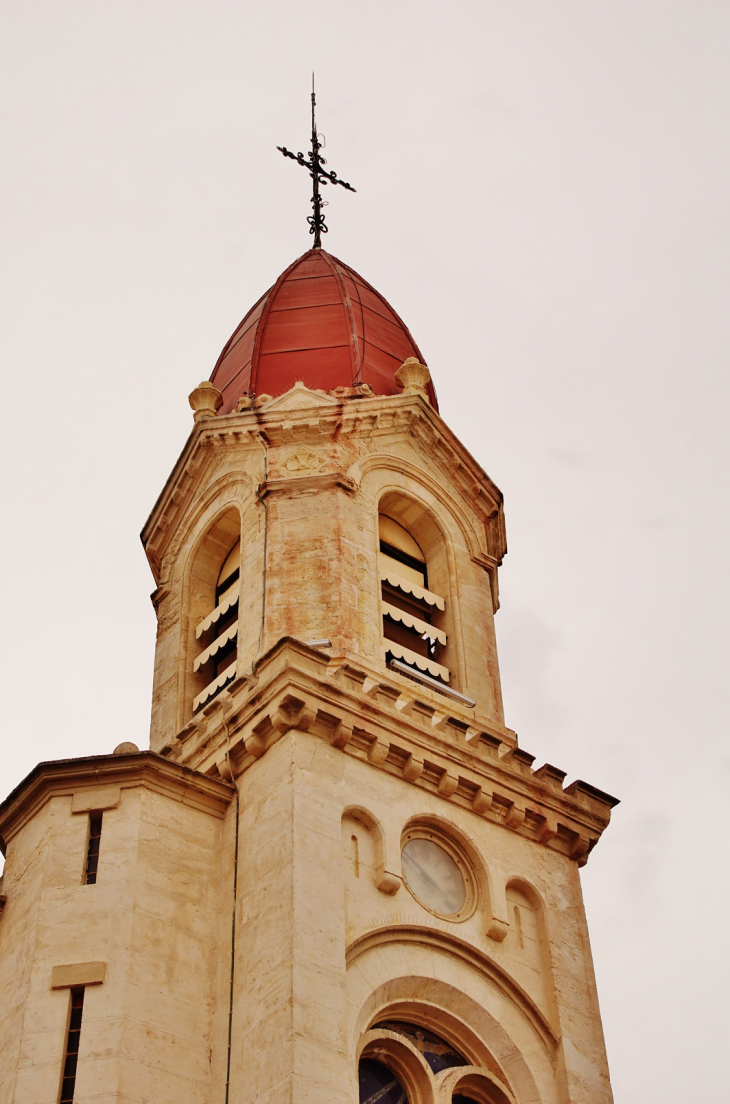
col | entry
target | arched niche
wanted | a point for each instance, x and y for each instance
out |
(358, 849)
(367, 852)
(527, 942)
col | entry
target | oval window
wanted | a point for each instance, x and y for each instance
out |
(433, 876)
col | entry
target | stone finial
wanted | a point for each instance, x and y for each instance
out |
(206, 400)
(413, 377)
(126, 748)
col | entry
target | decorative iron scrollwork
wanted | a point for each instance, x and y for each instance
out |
(319, 175)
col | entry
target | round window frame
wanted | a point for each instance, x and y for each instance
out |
(452, 849)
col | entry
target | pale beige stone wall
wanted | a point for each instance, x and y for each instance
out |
(289, 1013)
(323, 746)
(308, 476)
(324, 947)
(155, 917)
(556, 985)
(322, 952)
(23, 882)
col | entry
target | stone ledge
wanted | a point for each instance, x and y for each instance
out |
(96, 800)
(87, 776)
(365, 717)
(77, 974)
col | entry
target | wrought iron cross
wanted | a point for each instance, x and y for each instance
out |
(319, 175)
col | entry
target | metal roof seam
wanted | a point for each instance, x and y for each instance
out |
(261, 328)
(320, 321)
(231, 342)
(354, 380)
(362, 321)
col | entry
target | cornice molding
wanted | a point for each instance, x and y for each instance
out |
(274, 425)
(398, 728)
(144, 768)
(308, 483)
(474, 957)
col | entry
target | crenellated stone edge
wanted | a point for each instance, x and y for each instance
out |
(376, 720)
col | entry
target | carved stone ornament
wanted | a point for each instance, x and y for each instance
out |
(362, 390)
(303, 460)
(206, 400)
(413, 378)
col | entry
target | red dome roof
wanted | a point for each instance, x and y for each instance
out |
(320, 323)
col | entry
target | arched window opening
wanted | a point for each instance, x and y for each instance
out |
(378, 1084)
(425, 1065)
(413, 641)
(439, 1054)
(216, 635)
(477, 1088)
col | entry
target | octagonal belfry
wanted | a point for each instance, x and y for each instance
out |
(357, 518)
(335, 875)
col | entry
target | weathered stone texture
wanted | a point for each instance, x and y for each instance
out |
(151, 918)
(275, 814)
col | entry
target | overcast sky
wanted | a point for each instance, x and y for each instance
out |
(542, 194)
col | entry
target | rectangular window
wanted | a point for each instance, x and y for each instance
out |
(92, 853)
(71, 1056)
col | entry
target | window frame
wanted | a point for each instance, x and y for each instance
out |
(70, 1061)
(421, 1084)
(93, 847)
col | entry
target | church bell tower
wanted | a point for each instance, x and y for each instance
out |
(335, 877)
